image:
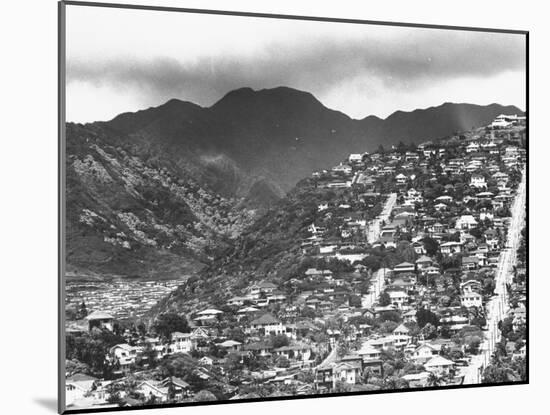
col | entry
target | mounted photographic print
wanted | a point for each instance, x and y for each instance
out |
(260, 207)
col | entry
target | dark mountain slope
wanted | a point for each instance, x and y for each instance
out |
(281, 135)
(431, 123)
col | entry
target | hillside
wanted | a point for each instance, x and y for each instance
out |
(163, 191)
(129, 213)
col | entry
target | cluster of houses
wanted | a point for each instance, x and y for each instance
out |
(448, 225)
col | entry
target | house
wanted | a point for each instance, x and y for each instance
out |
(368, 352)
(343, 168)
(236, 301)
(324, 377)
(470, 286)
(101, 320)
(401, 178)
(439, 365)
(206, 360)
(200, 333)
(409, 316)
(419, 248)
(437, 228)
(478, 181)
(73, 393)
(267, 287)
(230, 345)
(411, 156)
(424, 262)
(180, 388)
(425, 352)
(355, 158)
(401, 330)
(347, 372)
(151, 388)
(466, 222)
(267, 324)
(77, 387)
(181, 343)
(208, 317)
(449, 248)
(500, 122)
(382, 343)
(124, 354)
(398, 298)
(296, 351)
(470, 263)
(471, 299)
(403, 267)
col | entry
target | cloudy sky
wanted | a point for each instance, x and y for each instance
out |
(122, 60)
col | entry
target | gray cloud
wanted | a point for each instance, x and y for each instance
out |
(432, 56)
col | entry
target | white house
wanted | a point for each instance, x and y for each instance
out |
(471, 299)
(347, 372)
(343, 168)
(368, 352)
(478, 181)
(355, 158)
(77, 386)
(124, 354)
(501, 122)
(403, 267)
(401, 178)
(439, 365)
(399, 298)
(425, 352)
(449, 248)
(472, 148)
(181, 343)
(151, 388)
(268, 324)
(466, 222)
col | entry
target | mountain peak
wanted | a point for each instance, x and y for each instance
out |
(281, 95)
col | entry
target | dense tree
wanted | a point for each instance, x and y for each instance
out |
(205, 396)
(384, 299)
(424, 317)
(279, 340)
(168, 323)
(500, 371)
(430, 245)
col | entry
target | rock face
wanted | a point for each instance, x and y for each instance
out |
(133, 215)
(164, 190)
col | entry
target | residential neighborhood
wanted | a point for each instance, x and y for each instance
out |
(411, 273)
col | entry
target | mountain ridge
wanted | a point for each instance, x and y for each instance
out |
(199, 176)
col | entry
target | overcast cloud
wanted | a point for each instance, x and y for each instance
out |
(357, 69)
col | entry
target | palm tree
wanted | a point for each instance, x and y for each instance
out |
(434, 380)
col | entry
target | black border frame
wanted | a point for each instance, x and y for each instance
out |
(61, 196)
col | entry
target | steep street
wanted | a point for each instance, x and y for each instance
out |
(498, 305)
(375, 226)
(378, 282)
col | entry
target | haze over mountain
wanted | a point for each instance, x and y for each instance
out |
(283, 134)
(175, 183)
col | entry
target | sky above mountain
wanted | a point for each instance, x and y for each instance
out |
(122, 60)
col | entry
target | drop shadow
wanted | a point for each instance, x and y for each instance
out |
(48, 403)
